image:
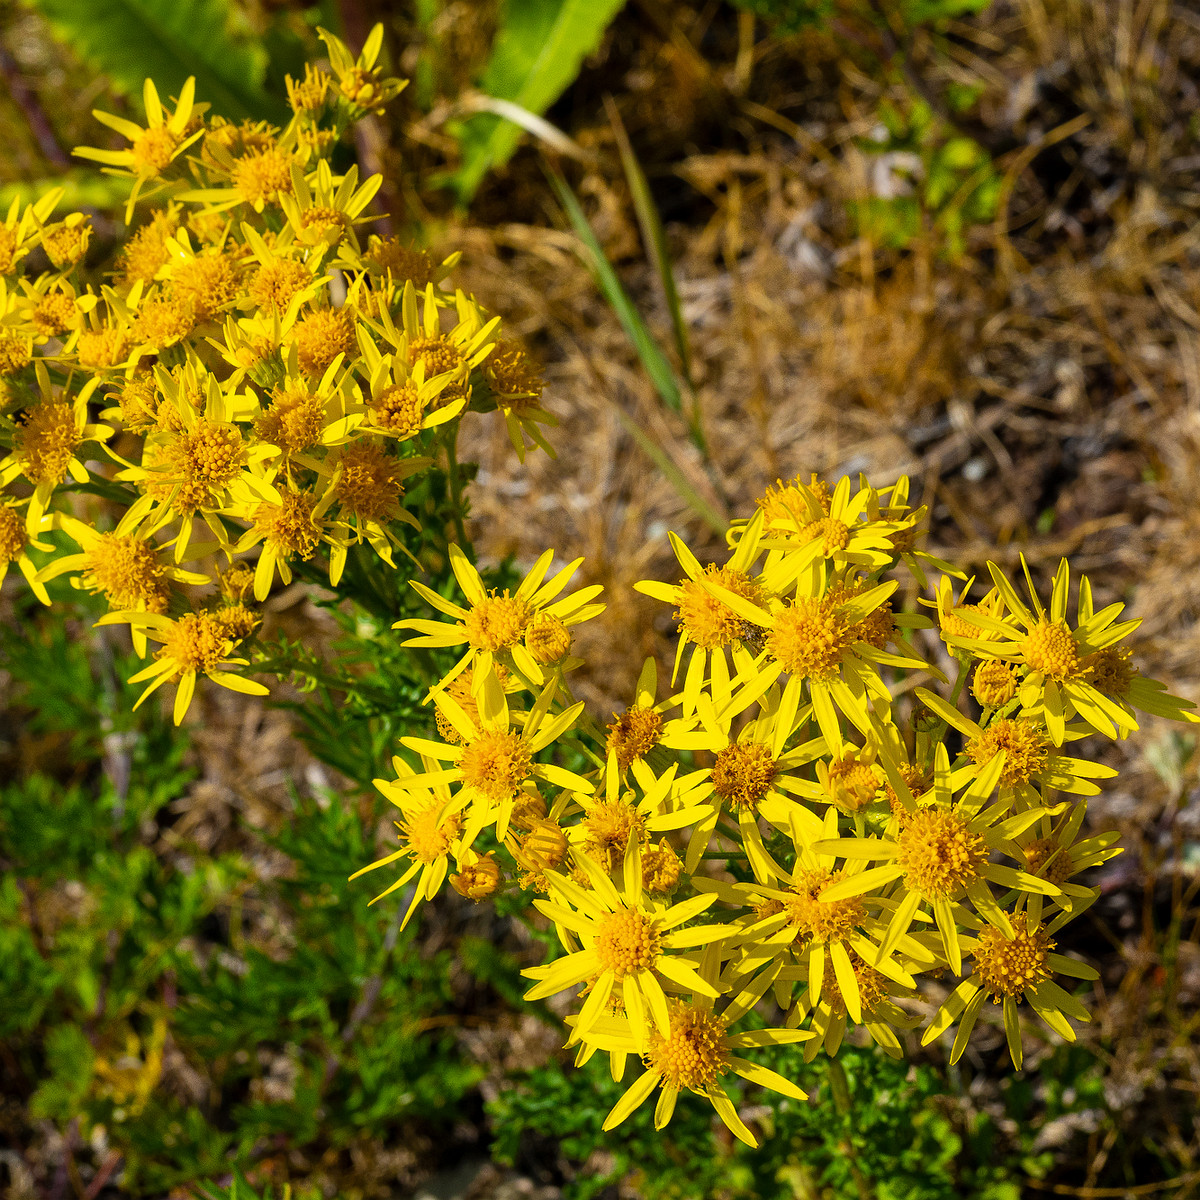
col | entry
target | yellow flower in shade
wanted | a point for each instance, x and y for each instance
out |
(494, 762)
(1049, 850)
(753, 776)
(321, 211)
(15, 544)
(402, 264)
(421, 339)
(616, 818)
(21, 228)
(152, 149)
(494, 625)
(431, 828)
(290, 524)
(360, 83)
(1010, 966)
(791, 931)
(941, 855)
(957, 619)
(693, 1051)
(706, 620)
(516, 386)
(626, 941)
(50, 434)
(1031, 762)
(192, 645)
(875, 992)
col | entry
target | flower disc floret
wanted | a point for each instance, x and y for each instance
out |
(820, 920)
(938, 852)
(1051, 650)
(994, 683)
(809, 639)
(1010, 966)
(834, 535)
(295, 419)
(153, 149)
(196, 642)
(127, 571)
(1050, 859)
(743, 774)
(705, 619)
(261, 176)
(610, 825)
(1025, 746)
(872, 988)
(46, 441)
(694, 1054)
(12, 534)
(496, 763)
(633, 733)
(398, 409)
(627, 942)
(428, 837)
(275, 284)
(497, 621)
(369, 485)
(289, 527)
(547, 639)
(1110, 670)
(321, 336)
(15, 352)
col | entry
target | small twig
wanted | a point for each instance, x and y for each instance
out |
(107, 1167)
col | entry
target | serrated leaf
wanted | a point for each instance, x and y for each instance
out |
(168, 40)
(540, 46)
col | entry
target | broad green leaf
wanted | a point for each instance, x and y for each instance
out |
(168, 40)
(538, 51)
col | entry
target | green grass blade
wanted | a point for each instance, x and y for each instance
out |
(653, 237)
(648, 351)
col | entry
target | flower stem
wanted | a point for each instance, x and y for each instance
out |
(451, 443)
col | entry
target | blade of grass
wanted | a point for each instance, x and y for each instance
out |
(674, 475)
(657, 367)
(653, 239)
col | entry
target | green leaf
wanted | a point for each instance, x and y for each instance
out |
(168, 40)
(537, 54)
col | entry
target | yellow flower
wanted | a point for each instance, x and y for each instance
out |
(1010, 966)
(191, 645)
(152, 149)
(50, 433)
(431, 827)
(693, 1052)
(21, 228)
(15, 543)
(321, 211)
(626, 941)
(360, 82)
(493, 762)
(706, 619)
(493, 625)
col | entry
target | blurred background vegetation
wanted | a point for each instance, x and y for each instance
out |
(747, 239)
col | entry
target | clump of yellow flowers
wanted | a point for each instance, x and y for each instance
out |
(802, 826)
(798, 826)
(259, 376)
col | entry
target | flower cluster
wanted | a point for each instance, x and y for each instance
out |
(253, 388)
(798, 827)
